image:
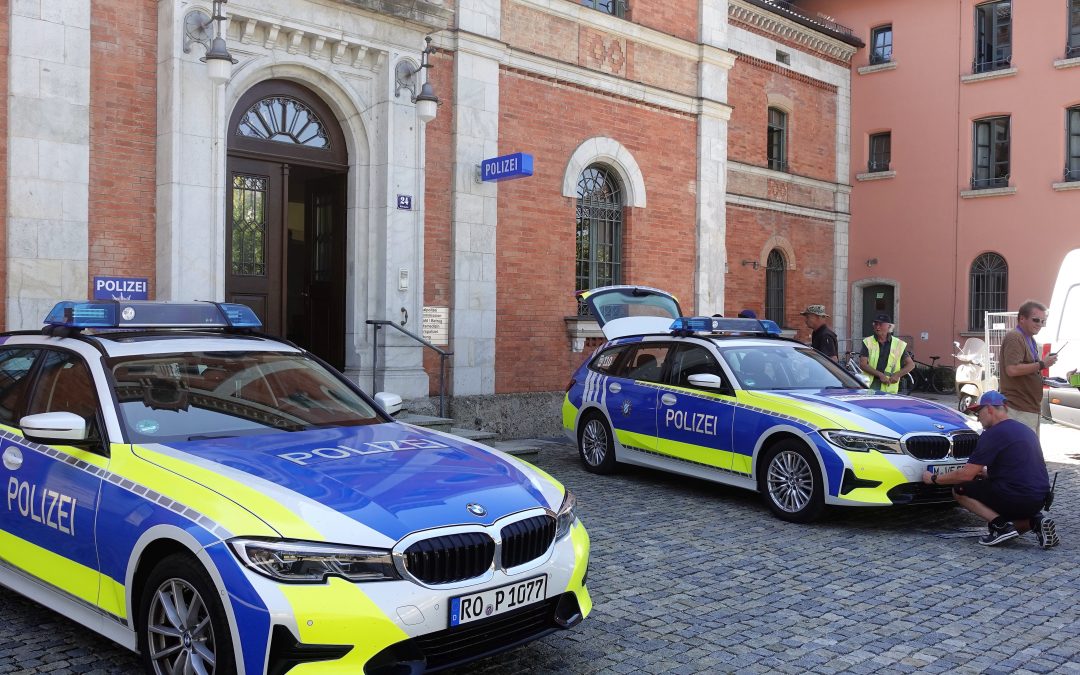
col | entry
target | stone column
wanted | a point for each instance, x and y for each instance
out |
(713, 115)
(48, 158)
(474, 211)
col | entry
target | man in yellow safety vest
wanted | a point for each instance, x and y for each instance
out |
(884, 357)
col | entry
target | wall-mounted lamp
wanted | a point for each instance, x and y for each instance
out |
(750, 263)
(870, 262)
(218, 60)
(406, 77)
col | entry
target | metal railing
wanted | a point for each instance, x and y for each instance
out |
(988, 65)
(443, 354)
(987, 183)
(819, 19)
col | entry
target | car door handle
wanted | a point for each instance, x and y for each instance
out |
(13, 458)
(668, 399)
(614, 387)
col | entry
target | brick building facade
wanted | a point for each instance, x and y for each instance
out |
(126, 159)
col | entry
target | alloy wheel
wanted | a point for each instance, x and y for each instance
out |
(790, 481)
(594, 442)
(181, 635)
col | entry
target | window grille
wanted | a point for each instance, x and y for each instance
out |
(283, 119)
(880, 151)
(599, 230)
(991, 147)
(988, 290)
(249, 226)
(881, 45)
(993, 36)
(775, 279)
(777, 140)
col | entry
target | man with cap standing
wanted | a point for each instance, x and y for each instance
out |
(1020, 365)
(822, 338)
(1011, 496)
(884, 357)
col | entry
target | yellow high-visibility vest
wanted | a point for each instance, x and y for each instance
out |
(896, 357)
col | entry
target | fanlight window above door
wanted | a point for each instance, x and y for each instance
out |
(283, 119)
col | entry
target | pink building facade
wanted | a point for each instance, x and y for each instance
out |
(965, 165)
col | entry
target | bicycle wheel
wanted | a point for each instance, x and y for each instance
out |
(907, 384)
(943, 380)
(919, 379)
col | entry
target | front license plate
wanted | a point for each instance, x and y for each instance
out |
(495, 601)
(940, 469)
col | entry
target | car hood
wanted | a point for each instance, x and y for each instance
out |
(871, 411)
(391, 478)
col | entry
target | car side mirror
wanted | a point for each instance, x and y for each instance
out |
(707, 380)
(51, 427)
(389, 402)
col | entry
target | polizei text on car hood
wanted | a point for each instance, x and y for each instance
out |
(391, 478)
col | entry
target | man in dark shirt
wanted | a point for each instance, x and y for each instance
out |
(822, 338)
(1011, 496)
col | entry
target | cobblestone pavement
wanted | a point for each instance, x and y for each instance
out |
(690, 577)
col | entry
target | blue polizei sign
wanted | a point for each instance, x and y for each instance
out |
(121, 288)
(517, 165)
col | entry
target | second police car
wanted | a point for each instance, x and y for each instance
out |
(731, 401)
(225, 503)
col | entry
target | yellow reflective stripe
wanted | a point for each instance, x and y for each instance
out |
(742, 463)
(806, 413)
(582, 547)
(569, 413)
(636, 440)
(204, 491)
(873, 466)
(333, 613)
(697, 453)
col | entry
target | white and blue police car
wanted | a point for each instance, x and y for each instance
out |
(731, 401)
(223, 502)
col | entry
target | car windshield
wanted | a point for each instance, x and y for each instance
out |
(783, 366)
(199, 395)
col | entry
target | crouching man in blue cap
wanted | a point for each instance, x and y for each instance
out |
(1004, 481)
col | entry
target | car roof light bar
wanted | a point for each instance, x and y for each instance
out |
(721, 326)
(149, 314)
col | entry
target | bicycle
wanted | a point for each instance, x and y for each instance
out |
(851, 364)
(931, 377)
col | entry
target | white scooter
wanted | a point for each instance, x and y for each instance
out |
(969, 374)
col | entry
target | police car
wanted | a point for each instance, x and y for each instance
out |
(223, 502)
(730, 401)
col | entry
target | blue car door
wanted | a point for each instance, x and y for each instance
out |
(48, 523)
(695, 422)
(632, 395)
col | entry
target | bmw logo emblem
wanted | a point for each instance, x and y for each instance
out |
(476, 509)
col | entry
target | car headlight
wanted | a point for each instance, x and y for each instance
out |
(851, 440)
(566, 515)
(313, 562)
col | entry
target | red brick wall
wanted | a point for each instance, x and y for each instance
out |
(811, 125)
(536, 231)
(674, 18)
(810, 283)
(439, 163)
(5, 49)
(123, 129)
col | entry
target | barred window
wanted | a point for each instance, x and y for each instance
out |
(599, 230)
(1072, 48)
(988, 290)
(991, 147)
(613, 7)
(993, 36)
(775, 279)
(1072, 143)
(777, 140)
(880, 151)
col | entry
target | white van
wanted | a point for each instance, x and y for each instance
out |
(1062, 333)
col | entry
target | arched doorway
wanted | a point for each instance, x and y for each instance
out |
(285, 218)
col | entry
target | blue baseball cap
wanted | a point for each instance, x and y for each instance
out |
(989, 398)
(747, 314)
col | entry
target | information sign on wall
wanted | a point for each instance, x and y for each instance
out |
(436, 325)
(517, 165)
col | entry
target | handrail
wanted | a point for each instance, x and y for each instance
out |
(443, 354)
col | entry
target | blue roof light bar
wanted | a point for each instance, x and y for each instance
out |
(721, 325)
(148, 314)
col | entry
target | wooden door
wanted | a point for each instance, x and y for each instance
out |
(876, 299)
(253, 239)
(324, 282)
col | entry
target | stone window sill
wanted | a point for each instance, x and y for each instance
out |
(579, 328)
(992, 75)
(877, 68)
(987, 192)
(1067, 63)
(1068, 185)
(875, 175)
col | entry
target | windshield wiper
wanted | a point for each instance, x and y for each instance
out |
(207, 437)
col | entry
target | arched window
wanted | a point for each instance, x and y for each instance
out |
(599, 229)
(988, 290)
(775, 279)
(283, 119)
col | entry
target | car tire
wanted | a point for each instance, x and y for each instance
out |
(178, 641)
(596, 444)
(791, 482)
(965, 401)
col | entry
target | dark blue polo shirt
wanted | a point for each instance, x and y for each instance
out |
(1014, 460)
